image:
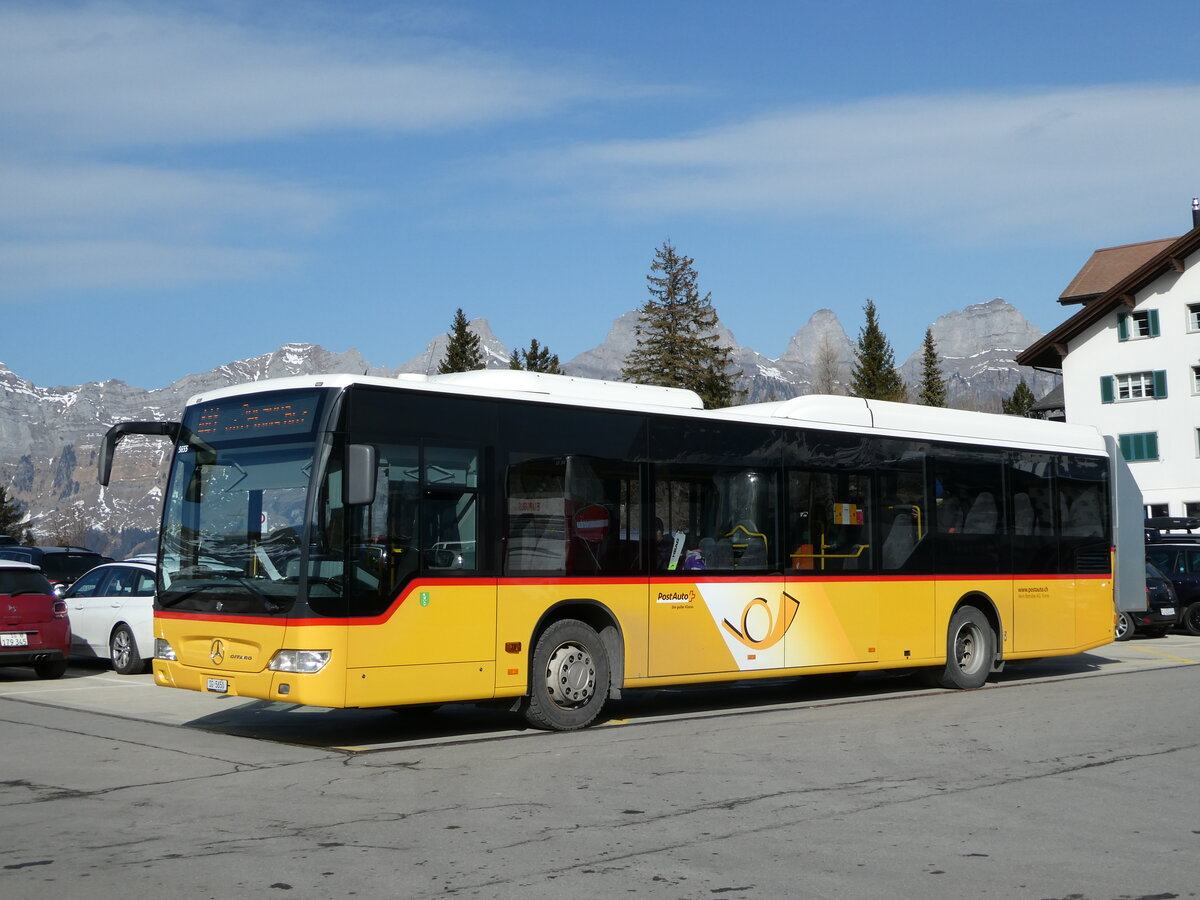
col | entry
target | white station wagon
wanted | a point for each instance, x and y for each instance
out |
(112, 615)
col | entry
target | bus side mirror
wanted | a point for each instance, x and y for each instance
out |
(360, 474)
(113, 437)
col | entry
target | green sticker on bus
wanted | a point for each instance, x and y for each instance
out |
(424, 598)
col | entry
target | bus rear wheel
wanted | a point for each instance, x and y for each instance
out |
(970, 650)
(570, 677)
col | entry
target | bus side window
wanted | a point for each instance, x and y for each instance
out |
(715, 518)
(449, 510)
(903, 513)
(828, 522)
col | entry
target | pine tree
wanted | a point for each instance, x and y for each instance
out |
(463, 352)
(933, 383)
(874, 376)
(1020, 403)
(677, 343)
(535, 359)
(12, 514)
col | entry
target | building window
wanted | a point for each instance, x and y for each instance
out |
(1196, 379)
(1191, 509)
(1193, 319)
(1133, 386)
(1139, 447)
(1136, 325)
(1156, 510)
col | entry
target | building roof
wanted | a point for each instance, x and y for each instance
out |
(1108, 266)
(1047, 352)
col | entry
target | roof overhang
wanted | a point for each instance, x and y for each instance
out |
(1048, 351)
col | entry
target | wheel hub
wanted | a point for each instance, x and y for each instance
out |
(571, 676)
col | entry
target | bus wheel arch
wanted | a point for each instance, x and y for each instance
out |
(972, 646)
(574, 654)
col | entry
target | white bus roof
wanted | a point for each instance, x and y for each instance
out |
(498, 383)
(911, 420)
(821, 411)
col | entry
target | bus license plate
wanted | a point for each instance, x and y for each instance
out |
(14, 640)
(218, 685)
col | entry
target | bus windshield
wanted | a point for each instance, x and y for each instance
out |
(234, 515)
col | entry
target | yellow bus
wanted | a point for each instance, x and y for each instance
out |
(550, 541)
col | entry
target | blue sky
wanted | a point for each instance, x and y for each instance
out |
(187, 184)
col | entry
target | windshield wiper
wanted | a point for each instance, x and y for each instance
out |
(267, 603)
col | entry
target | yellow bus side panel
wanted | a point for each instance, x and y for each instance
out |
(438, 644)
(1044, 615)
(836, 623)
(435, 623)
(522, 605)
(429, 683)
(1094, 612)
(721, 627)
(905, 628)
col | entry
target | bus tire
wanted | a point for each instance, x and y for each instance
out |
(970, 651)
(123, 651)
(569, 677)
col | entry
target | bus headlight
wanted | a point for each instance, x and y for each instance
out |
(163, 650)
(304, 661)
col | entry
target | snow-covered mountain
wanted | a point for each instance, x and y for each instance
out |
(49, 437)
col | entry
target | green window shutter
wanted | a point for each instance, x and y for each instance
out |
(1152, 315)
(1106, 389)
(1139, 447)
(1122, 327)
(1160, 384)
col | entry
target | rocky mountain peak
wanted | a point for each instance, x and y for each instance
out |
(49, 436)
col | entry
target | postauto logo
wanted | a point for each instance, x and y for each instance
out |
(763, 625)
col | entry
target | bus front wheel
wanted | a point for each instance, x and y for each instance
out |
(970, 649)
(570, 677)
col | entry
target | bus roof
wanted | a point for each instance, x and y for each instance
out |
(911, 420)
(498, 383)
(821, 411)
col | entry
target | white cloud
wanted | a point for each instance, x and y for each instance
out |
(64, 199)
(961, 166)
(106, 108)
(33, 267)
(107, 76)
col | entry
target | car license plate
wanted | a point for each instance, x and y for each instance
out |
(1168, 610)
(218, 685)
(14, 640)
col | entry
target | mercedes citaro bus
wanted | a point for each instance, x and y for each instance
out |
(552, 542)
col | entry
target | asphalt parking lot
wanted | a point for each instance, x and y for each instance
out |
(93, 688)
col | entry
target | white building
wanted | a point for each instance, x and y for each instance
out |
(1130, 361)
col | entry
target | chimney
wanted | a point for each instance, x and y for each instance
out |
(1196, 212)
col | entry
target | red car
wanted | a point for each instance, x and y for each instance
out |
(34, 630)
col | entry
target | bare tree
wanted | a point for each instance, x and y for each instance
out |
(67, 527)
(827, 369)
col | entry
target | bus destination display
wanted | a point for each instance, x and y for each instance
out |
(277, 414)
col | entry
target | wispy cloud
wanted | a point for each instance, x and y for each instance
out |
(91, 197)
(105, 76)
(113, 119)
(961, 167)
(35, 267)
